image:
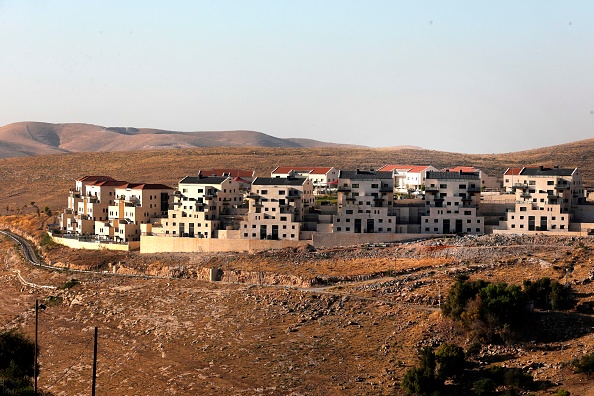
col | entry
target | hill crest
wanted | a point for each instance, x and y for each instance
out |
(40, 138)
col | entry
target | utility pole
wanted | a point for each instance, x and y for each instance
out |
(94, 364)
(35, 352)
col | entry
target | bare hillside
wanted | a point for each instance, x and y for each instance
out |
(38, 138)
(46, 179)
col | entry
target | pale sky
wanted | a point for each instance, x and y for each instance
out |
(461, 76)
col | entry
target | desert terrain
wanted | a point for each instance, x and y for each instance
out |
(347, 320)
(287, 322)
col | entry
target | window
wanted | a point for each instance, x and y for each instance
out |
(374, 185)
(337, 228)
(462, 186)
(355, 185)
(522, 208)
(281, 192)
(443, 186)
(264, 192)
(349, 211)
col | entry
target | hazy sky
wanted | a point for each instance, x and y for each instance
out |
(463, 76)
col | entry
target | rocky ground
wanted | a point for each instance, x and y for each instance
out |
(288, 322)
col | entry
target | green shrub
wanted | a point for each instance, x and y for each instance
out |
(548, 294)
(70, 284)
(562, 392)
(451, 361)
(420, 380)
(484, 387)
(585, 364)
(16, 361)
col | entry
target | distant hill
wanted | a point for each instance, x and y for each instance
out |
(23, 139)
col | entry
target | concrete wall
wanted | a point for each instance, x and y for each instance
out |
(584, 213)
(154, 244)
(76, 244)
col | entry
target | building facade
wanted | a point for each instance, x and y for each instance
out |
(277, 207)
(364, 203)
(452, 201)
(544, 199)
(200, 205)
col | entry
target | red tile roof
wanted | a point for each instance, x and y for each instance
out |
(390, 168)
(109, 183)
(461, 168)
(94, 178)
(513, 171)
(406, 168)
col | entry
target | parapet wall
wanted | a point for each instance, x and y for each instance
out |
(76, 244)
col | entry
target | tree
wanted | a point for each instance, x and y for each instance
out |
(451, 361)
(585, 364)
(420, 379)
(16, 360)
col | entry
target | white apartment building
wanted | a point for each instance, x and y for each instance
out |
(365, 200)
(408, 177)
(487, 182)
(199, 205)
(107, 209)
(322, 177)
(277, 208)
(135, 204)
(452, 200)
(88, 202)
(544, 199)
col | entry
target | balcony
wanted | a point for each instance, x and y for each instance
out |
(519, 186)
(525, 195)
(474, 189)
(344, 189)
(562, 187)
(431, 189)
(386, 189)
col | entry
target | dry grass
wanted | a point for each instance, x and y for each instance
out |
(46, 179)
